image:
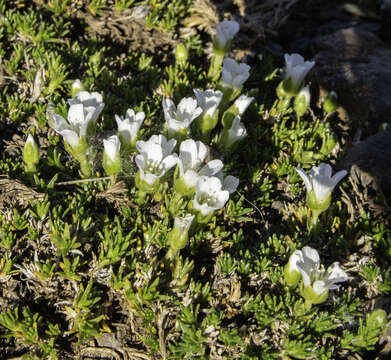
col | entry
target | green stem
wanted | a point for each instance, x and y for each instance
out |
(85, 166)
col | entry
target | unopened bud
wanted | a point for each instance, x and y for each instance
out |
(181, 54)
(331, 102)
(302, 101)
(30, 154)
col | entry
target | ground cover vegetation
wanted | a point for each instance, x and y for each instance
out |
(159, 202)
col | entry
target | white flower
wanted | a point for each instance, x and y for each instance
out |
(208, 101)
(79, 121)
(192, 155)
(233, 74)
(92, 102)
(111, 147)
(296, 71)
(225, 32)
(209, 195)
(183, 223)
(242, 103)
(319, 184)
(129, 126)
(236, 132)
(155, 158)
(179, 119)
(316, 280)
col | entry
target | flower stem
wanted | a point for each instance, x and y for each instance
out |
(85, 166)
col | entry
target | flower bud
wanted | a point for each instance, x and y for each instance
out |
(178, 237)
(76, 87)
(331, 102)
(302, 101)
(111, 156)
(181, 54)
(291, 272)
(30, 154)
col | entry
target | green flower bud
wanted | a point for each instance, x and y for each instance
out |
(302, 101)
(207, 123)
(76, 87)
(281, 93)
(292, 276)
(181, 54)
(31, 154)
(331, 102)
(178, 237)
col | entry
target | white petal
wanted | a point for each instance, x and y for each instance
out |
(184, 223)
(230, 184)
(338, 177)
(294, 259)
(335, 275)
(310, 255)
(140, 162)
(30, 140)
(112, 147)
(76, 115)
(60, 123)
(242, 103)
(305, 178)
(322, 169)
(188, 153)
(70, 137)
(211, 168)
(169, 161)
(190, 178)
(319, 287)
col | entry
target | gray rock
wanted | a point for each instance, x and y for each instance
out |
(357, 65)
(370, 160)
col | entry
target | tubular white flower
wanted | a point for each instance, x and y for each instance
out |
(79, 121)
(129, 126)
(179, 119)
(209, 195)
(316, 280)
(319, 182)
(225, 32)
(155, 158)
(234, 75)
(296, 70)
(92, 102)
(111, 147)
(208, 100)
(183, 223)
(192, 155)
(235, 133)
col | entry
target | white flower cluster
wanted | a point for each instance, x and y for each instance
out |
(194, 176)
